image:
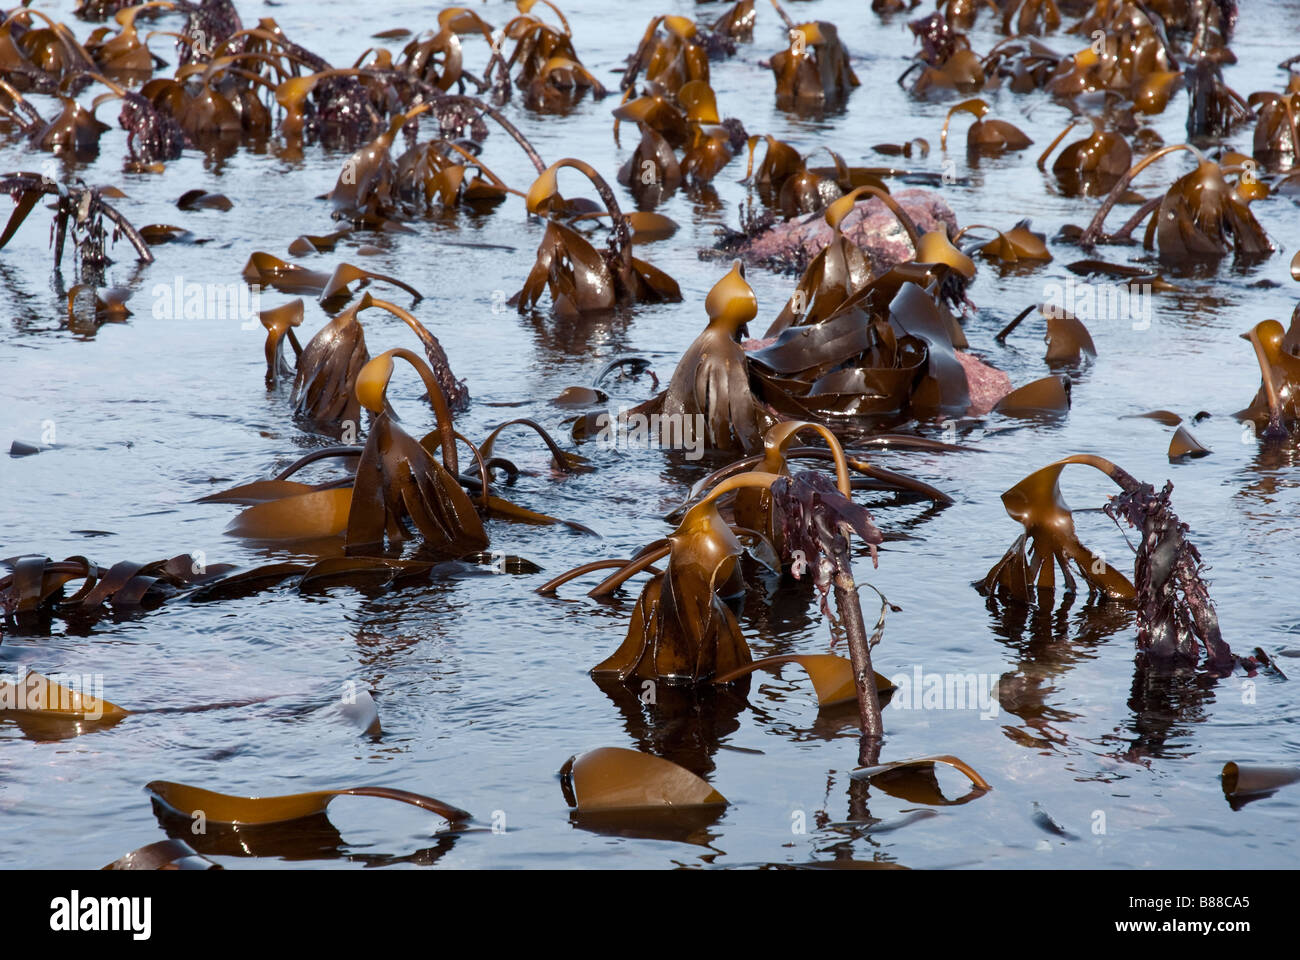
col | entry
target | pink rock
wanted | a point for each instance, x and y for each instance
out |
(870, 225)
(987, 384)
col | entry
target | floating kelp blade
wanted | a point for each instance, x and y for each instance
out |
(223, 808)
(1049, 395)
(1184, 446)
(303, 516)
(617, 779)
(914, 780)
(164, 855)
(38, 695)
(1248, 780)
(831, 675)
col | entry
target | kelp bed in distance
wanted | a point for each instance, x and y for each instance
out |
(867, 354)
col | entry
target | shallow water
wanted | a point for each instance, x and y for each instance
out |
(481, 684)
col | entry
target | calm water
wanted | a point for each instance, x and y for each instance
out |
(482, 685)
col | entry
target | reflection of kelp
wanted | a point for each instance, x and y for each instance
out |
(684, 725)
(1048, 643)
(1166, 705)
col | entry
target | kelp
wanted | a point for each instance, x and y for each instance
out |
(75, 131)
(987, 135)
(220, 808)
(946, 60)
(1176, 617)
(397, 478)
(38, 698)
(915, 781)
(887, 349)
(1017, 245)
(1025, 63)
(712, 378)
(1214, 109)
(34, 589)
(786, 181)
(1243, 782)
(1068, 340)
(753, 509)
(578, 277)
(1184, 446)
(80, 212)
(123, 55)
(1276, 141)
(669, 55)
(1200, 216)
(1135, 57)
(817, 523)
(611, 779)
(840, 269)
(815, 68)
(87, 309)
(831, 676)
(681, 631)
(1275, 409)
(45, 59)
(1049, 541)
(1089, 166)
(1048, 396)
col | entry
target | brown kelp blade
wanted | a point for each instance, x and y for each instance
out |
(345, 274)
(831, 675)
(1049, 539)
(38, 696)
(301, 516)
(914, 780)
(1185, 446)
(164, 855)
(265, 270)
(226, 809)
(1049, 395)
(615, 778)
(1241, 780)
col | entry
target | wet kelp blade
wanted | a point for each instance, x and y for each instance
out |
(615, 778)
(1184, 446)
(164, 855)
(831, 675)
(223, 808)
(38, 695)
(915, 781)
(1050, 395)
(1251, 780)
(303, 516)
